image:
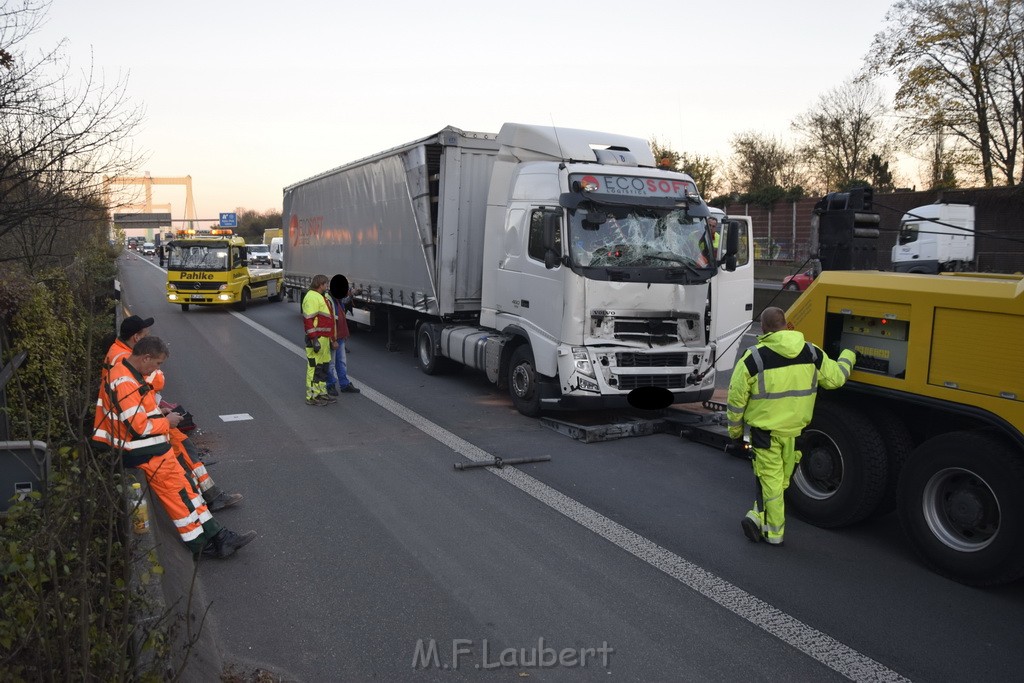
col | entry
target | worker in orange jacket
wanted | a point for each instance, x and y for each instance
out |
(129, 422)
(134, 328)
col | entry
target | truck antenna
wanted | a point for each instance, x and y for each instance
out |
(558, 142)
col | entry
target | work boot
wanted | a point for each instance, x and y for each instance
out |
(223, 500)
(226, 542)
(751, 529)
(332, 390)
(328, 400)
(315, 401)
(350, 389)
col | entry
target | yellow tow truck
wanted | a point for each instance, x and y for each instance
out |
(209, 268)
(931, 421)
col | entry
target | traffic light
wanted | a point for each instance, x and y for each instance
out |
(847, 230)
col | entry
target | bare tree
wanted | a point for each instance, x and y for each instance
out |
(703, 169)
(963, 59)
(841, 132)
(59, 135)
(760, 162)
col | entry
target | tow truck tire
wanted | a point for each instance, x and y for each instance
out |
(522, 381)
(243, 302)
(841, 477)
(961, 506)
(184, 307)
(898, 445)
(430, 362)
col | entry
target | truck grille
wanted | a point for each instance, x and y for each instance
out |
(648, 330)
(630, 382)
(650, 360)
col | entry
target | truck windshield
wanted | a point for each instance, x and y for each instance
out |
(637, 237)
(197, 257)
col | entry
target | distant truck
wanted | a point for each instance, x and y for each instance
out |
(935, 238)
(272, 233)
(213, 270)
(563, 263)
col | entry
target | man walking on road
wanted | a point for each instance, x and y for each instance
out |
(319, 327)
(773, 389)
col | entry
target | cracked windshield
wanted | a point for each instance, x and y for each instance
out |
(197, 257)
(637, 237)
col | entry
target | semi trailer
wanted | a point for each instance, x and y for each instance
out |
(563, 263)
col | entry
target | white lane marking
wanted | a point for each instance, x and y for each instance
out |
(237, 417)
(835, 655)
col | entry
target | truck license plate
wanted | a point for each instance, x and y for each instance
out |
(197, 296)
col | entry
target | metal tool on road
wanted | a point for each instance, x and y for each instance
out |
(501, 462)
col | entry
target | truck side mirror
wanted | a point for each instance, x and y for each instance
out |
(732, 244)
(552, 226)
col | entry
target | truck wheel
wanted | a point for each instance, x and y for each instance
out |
(961, 505)
(792, 286)
(841, 477)
(522, 382)
(279, 296)
(243, 303)
(898, 446)
(426, 351)
(184, 307)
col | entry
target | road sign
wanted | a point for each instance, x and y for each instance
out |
(229, 220)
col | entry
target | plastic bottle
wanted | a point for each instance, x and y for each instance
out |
(140, 510)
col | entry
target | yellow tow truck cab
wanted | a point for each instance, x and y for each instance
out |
(931, 421)
(209, 268)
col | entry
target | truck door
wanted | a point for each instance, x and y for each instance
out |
(732, 297)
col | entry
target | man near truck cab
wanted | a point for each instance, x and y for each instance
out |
(318, 322)
(772, 391)
(130, 423)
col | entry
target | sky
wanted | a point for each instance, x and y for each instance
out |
(250, 97)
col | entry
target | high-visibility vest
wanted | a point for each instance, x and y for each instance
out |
(127, 417)
(316, 315)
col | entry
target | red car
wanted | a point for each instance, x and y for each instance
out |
(798, 282)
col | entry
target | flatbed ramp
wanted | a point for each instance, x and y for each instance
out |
(706, 426)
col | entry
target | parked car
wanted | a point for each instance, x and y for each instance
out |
(148, 249)
(258, 254)
(798, 282)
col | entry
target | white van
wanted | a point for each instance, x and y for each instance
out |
(277, 252)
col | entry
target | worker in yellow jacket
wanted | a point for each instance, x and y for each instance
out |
(318, 322)
(772, 391)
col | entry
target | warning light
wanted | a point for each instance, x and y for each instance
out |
(885, 321)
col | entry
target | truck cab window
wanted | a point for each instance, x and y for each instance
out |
(536, 246)
(908, 233)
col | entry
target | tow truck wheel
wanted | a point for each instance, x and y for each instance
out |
(961, 505)
(898, 446)
(841, 477)
(184, 307)
(522, 382)
(243, 302)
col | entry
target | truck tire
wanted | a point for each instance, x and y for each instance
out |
(961, 505)
(243, 302)
(430, 362)
(522, 381)
(279, 296)
(184, 307)
(792, 286)
(898, 446)
(841, 477)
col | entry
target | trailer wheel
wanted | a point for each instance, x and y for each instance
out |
(841, 476)
(426, 351)
(243, 303)
(184, 307)
(961, 505)
(522, 381)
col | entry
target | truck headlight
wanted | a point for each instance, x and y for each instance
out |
(224, 297)
(172, 297)
(171, 285)
(222, 287)
(581, 361)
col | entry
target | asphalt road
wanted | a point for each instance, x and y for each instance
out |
(627, 553)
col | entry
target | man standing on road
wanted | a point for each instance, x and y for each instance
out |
(773, 388)
(131, 424)
(319, 327)
(338, 297)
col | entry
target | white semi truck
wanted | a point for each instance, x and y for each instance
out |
(561, 262)
(935, 238)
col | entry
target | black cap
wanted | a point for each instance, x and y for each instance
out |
(339, 286)
(133, 324)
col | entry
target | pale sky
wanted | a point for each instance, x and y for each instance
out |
(249, 97)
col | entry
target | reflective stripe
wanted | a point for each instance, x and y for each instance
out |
(205, 515)
(191, 535)
(759, 364)
(845, 366)
(185, 521)
(789, 394)
(131, 445)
